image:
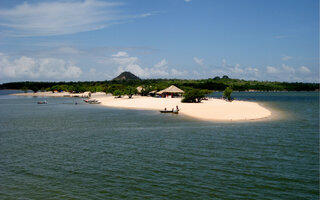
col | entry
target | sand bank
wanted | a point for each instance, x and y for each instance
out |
(210, 110)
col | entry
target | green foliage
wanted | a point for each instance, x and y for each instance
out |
(118, 93)
(113, 87)
(34, 88)
(194, 95)
(225, 77)
(130, 91)
(227, 93)
(215, 84)
(48, 89)
(24, 89)
(216, 78)
(146, 90)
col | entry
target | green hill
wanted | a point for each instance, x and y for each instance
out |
(125, 76)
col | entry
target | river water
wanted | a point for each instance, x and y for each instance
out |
(65, 151)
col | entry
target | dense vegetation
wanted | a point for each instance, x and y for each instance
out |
(212, 84)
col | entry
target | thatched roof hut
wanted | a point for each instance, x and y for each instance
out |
(172, 90)
(139, 89)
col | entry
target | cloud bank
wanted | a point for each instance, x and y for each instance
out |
(27, 68)
(291, 74)
(69, 63)
(60, 18)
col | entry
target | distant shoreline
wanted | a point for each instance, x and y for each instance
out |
(207, 110)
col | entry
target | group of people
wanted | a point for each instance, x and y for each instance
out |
(177, 109)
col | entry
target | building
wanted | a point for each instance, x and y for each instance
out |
(171, 92)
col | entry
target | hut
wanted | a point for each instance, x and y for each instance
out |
(153, 93)
(171, 91)
(139, 89)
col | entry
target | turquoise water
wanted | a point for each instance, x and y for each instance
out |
(65, 151)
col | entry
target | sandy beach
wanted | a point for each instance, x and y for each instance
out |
(209, 110)
(212, 109)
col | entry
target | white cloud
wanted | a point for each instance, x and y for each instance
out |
(290, 74)
(123, 59)
(199, 61)
(124, 62)
(281, 73)
(120, 54)
(236, 71)
(162, 64)
(160, 69)
(253, 71)
(286, 58)
(175, 72)
(60, 17)
(304, 70)
(288, 69)
(187, 0)
(37, 69)
(272, 70)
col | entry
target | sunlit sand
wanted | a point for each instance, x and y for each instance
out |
(211, 109)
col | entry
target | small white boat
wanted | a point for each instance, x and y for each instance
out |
(92, 101)
(42, 102)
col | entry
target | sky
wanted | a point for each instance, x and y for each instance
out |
(96, 40)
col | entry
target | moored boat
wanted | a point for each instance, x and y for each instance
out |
(170, 111)
(92, 101)
(42, 102)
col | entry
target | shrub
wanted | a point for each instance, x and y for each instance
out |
(117, 93)
(194, 95)
(227, 93)
(130, 91)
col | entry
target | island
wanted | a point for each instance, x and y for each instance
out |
(190, 97)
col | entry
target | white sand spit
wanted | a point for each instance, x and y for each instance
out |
(210, 110)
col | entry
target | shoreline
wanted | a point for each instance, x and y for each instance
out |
(51, 94)
(208, 110)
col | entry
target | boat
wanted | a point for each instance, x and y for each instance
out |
(42, 102)
(92, 101)
(170, 111)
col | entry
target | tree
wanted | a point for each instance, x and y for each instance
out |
(225, 77)
(24, 89)
(146, 90)
(227, 93)
(130, 91)
(216, 78)
(117, 93)
(34, 88)
(194, 95)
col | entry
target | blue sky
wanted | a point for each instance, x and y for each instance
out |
(273, 40)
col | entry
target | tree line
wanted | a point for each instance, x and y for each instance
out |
(212, 84)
